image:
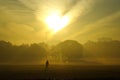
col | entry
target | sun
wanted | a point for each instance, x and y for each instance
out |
(57, 22)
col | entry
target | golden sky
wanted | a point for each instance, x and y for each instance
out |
(24, 21)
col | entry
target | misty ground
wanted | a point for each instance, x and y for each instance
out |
(59, 72)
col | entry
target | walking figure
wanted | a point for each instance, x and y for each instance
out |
(46, 65)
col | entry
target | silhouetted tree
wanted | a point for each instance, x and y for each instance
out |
(5, 51)
(103, 48)
(21, 54)
(68, 50)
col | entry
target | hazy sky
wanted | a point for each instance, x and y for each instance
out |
(22, 21)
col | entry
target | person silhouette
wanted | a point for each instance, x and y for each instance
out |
(46, 65)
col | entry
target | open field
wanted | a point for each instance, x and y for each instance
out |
(59, 72)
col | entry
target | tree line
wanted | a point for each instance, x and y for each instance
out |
(68, 50)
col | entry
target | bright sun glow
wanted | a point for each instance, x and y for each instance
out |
(56, 22)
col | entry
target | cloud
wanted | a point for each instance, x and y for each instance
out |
(24, 19)
(32, 4)
(96, 25)
(20, 33)
(80, 9)
(72, 8)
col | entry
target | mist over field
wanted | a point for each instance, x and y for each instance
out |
(67, 60)
(103, 52)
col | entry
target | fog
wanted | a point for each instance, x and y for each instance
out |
(105, 51)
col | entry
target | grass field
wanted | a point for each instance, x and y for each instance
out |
(59, 72)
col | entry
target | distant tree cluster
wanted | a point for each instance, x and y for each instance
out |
(21, 54)
(104, 47)
(68, 50)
